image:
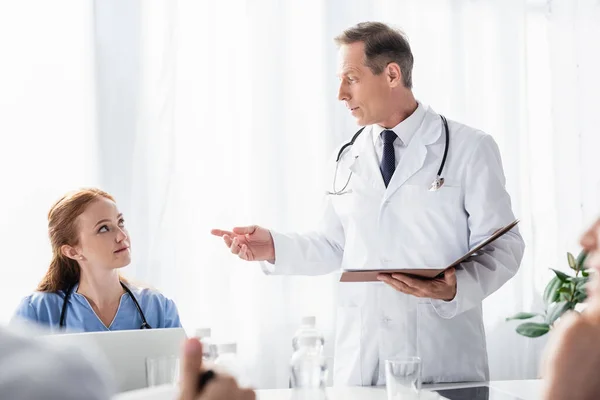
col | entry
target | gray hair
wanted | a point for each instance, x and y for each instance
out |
(383, 45)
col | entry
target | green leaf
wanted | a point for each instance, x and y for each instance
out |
(561, 275)
(551, 291)
(533, 329)
(579, 279)
(565, 293)
(581, 260)
(585, 274)
(571, 261)
(564, 297)
(556, 310)
(581, 286)
(580, 296)
(522, 315)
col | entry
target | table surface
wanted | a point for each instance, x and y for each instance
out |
(524, 389)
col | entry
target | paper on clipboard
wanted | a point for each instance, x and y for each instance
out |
(371, 275)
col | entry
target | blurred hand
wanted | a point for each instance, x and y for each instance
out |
(250, 243)
(439, 288)
(221, 387)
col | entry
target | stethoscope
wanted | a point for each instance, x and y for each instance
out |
(63, 313)
(437, 183)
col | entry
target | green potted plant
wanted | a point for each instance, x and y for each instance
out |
(562, 294)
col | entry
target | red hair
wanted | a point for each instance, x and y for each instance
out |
(64, 272)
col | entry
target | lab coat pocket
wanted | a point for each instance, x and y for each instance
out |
(347, 358)
(452, 350)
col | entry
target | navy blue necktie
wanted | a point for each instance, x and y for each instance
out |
(388, 160)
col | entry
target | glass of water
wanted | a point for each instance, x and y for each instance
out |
(162, 370)
(403, 378)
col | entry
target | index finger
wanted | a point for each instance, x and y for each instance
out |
(221, 233)
(244, 230)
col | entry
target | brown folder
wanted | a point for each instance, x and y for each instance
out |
(371, 275)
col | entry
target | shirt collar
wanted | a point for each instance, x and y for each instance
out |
(405, 129)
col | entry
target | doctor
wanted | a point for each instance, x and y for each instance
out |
(380, 214)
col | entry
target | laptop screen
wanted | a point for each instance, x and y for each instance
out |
(476, 393)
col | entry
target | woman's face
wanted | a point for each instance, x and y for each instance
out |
(591, 244)
(103, 239)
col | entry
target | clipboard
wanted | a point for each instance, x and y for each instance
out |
(371, 275)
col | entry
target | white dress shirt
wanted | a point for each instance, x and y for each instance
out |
(405, 131)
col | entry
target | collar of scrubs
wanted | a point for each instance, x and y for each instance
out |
(83, 301)
(405, 129)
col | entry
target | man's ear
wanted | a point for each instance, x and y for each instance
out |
(394, 75)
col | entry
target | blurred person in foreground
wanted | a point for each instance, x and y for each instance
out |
(572, 357)
(32, 369)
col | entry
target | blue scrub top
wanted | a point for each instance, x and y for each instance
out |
(45, 309)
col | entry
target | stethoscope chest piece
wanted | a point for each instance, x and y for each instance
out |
(437, 183)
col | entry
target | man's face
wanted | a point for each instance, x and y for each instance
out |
(366, 95)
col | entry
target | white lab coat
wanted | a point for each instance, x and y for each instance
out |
(407, 226)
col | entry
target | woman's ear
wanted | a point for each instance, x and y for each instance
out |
(70, 252)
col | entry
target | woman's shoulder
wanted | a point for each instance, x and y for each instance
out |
(38, 306)
(37, 299)
(149, 294)
(157, 304)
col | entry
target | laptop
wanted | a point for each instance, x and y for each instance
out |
(125, 352)
(475, 393)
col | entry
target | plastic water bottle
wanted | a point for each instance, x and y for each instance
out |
(209, 348)
(309, 369)
(307, 329)
(227, 362)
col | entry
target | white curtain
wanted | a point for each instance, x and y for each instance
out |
(239, 115)
(47, 129)
(222, 113)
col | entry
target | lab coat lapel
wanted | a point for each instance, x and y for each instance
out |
(413, 158)
(365, 163)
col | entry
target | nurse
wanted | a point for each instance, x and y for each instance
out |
(82, 289)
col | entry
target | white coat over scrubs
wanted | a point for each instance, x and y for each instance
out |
(407, 226)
